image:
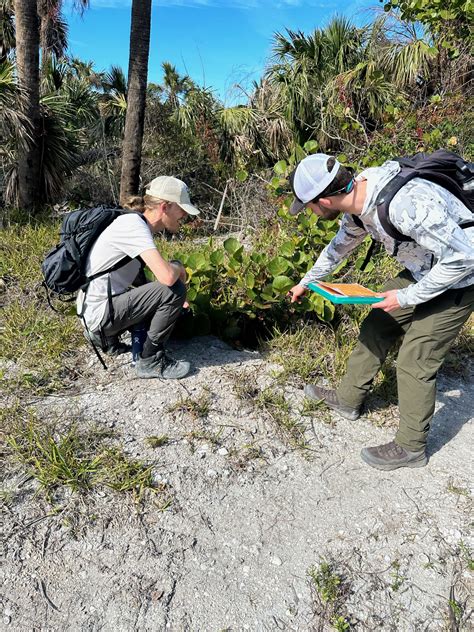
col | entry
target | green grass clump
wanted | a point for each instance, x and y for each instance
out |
(208, 436)
(22, 250)
(78, 459)
(34, 337)
(329, 589)
(156, 441)
(40, 342)
(312, 351)
(273, 402)
(196, 407)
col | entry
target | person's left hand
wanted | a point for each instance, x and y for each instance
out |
(389, 303)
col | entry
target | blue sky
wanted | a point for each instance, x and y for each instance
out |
(219, 43)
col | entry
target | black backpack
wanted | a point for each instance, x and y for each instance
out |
(64, 266)
(442, 167)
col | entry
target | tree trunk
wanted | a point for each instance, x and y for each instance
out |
(27, 55)
(136, 99)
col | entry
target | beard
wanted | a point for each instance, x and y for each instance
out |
(327, 213)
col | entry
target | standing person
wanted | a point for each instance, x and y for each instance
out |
(110, 305)
(426, 304)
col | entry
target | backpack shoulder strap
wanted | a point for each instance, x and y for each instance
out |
(385, 197)
(357, 221)
(122, 262)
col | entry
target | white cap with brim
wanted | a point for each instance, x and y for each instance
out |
(309, 179)
(172, 190)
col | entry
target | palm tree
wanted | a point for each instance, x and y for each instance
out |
(337, 82)
(175, 86)
(7, 29)
(255, 135)
(53, 27)
(27, 55)
(14, 129)
(113, 102)
(306, 64)
(39, 21)
(136, 98)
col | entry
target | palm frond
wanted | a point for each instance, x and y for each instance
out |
(114, 81)
(406, 62)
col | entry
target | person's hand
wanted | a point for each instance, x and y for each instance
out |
(390, 302)
(296, 292)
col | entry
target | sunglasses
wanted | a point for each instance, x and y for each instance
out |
(347, 189)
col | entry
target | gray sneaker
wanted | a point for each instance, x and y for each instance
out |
(391, 456)
(329, 397)
(162, 366)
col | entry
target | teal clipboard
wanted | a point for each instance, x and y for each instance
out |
(345, 300)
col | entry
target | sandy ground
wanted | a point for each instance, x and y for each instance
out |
(249, 516)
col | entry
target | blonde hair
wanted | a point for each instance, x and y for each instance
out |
(149, 200)
(134, 203)
(139, 204)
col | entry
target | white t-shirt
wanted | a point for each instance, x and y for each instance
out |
(128, 235)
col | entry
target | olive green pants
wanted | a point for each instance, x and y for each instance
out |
(428, 331)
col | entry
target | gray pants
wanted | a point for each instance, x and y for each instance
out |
(153, 303)
(428, 330)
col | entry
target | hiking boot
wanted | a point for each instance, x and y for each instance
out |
(391, 456)
(329, 397)
(162, 366)
(114, 346)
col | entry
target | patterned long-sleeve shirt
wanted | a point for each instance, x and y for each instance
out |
(441, 256)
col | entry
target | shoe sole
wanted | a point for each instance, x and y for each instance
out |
(349, 416)
(161, 377)
(386, 467)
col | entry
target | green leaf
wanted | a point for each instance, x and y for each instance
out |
(217, 257)
(280, 167)
(250, 280)
(197, 261)
(231, 245)
(277, 266)
(242, 175)
(203, 300)
(257, 257)
(287, 249)
(299, 153)
(446, 15)
(282, 284)
(360, 260)
(237, 256)
(267, 293)
(311, 146)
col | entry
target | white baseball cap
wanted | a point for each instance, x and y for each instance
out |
(310, 178)
(172, 190)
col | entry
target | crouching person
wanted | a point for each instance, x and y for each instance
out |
(110, 305)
